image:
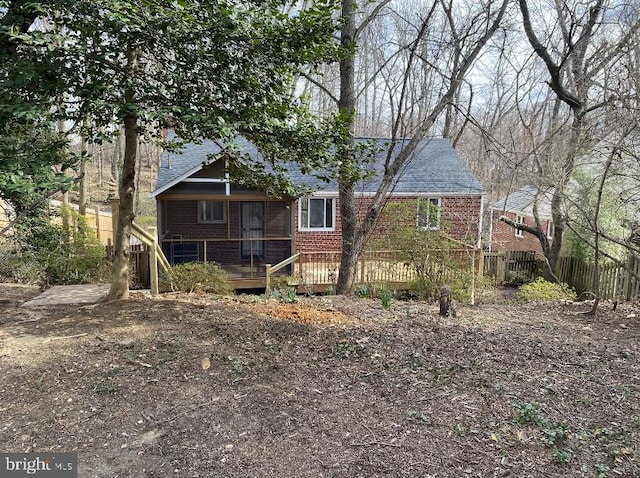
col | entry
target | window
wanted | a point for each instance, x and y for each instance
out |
(429, 213)
(519, 220)
(551, 229)
(214, 212)
(317, 214)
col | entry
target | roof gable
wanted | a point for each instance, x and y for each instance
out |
(522, 200)
(434, 168)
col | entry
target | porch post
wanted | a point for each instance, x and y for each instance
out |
(267, 289)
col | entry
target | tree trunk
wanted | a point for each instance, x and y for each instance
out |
(82, 195)
(346, 114)
(120, 273)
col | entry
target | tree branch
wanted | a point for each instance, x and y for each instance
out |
(554, 70)
(324, 89)
(536, 231)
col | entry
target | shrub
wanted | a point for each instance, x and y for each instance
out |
(428, 254)
(386, 296)
(79, 258)
(287, 295)
(544, 291)
(16, 266)
(515, 278)
(48, 253)
(197, 277)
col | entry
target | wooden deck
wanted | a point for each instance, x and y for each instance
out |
(317, 272)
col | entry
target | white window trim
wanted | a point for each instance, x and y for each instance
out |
(550, 229)
(301, 228)
(218, 221)
(519, 220)
(439, 206)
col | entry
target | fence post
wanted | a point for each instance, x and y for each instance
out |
(153, 262)
(115, 211)
(629, 279)
(501, 261)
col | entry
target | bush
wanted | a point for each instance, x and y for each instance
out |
(47, 253)
(429, 289)
(16, 266)
(545, 291)
(79, 258)
(429, 254)
(197, 277)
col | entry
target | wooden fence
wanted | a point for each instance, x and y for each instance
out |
(99, 221)
(139, 265)
(512, 267)
(616, 281)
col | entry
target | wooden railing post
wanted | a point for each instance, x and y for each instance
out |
(204, 253)
(153, 261)
(267, 289)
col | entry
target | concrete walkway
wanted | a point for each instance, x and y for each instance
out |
(69, 294)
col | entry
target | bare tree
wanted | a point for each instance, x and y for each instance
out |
(427, 53)
(579, 50)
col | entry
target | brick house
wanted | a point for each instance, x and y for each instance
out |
(204, 216)
(518, 206)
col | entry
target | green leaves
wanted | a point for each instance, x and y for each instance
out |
(208, 69)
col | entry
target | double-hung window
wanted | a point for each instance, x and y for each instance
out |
(551, 230)
(519, 220)
(429, 213)
(317, 214)
(212, 212)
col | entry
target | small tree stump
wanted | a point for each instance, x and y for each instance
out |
(447, 305)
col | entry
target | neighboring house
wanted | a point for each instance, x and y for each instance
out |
(518, 206)
(203, 216)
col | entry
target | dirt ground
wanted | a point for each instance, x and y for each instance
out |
(193, 386)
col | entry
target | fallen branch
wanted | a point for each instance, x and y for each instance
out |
(63, 337)
(192, 409)
(376, 442)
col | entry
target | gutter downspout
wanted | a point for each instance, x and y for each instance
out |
(490, 228)
(481, 223)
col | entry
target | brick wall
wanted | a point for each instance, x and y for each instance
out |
(461, 216)
(503, 236)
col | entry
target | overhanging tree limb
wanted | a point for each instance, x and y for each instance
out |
(554, 70)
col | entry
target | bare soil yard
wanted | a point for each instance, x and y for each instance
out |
(191, 386)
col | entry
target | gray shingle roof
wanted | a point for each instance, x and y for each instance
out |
(521, 201)
(435, 167)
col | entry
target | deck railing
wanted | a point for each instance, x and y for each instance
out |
(321, 268)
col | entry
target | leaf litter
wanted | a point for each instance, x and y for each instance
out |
(196, 386)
